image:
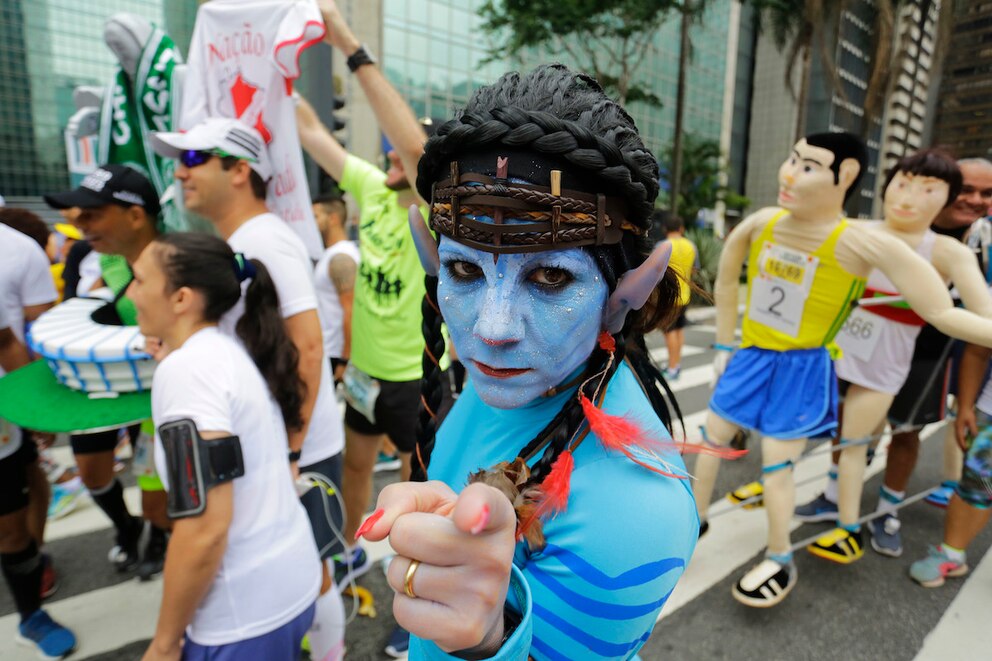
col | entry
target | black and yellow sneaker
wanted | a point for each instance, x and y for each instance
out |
(750, 496)
(839, 545)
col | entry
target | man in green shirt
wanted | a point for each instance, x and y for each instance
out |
(119, 216)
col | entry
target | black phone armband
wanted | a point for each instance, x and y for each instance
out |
(194, 466)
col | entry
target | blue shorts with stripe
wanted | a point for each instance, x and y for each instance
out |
(782, 394)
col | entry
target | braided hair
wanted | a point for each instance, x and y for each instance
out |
(563, 116)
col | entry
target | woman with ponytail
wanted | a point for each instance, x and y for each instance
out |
(577, 519)
(240, 578)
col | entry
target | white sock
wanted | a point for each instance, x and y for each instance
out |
(953, 554)
(889, 500)
(830, 492)
(327, 631)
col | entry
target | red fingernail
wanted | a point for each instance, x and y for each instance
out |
(481, 522)
(369, 522)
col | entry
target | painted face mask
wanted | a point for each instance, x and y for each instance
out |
(521, 324)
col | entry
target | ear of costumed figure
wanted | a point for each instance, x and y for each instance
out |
(635, 287)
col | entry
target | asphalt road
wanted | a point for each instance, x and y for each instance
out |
(868, 610)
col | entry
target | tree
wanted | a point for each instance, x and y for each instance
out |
(608, 38)
(702, 165)
(800, 25)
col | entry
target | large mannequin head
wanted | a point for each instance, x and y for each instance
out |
(975, 197)
(820, 174)
(524, 309)
(126, 34)
(918, 187)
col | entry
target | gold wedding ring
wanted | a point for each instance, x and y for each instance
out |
(408, 581)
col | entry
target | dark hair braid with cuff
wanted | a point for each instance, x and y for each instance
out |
(565, 116)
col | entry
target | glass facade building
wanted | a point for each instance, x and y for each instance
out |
(47, 49)
(434, 52)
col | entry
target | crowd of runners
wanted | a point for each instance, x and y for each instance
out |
(485, 330)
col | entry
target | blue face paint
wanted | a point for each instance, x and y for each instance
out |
(521, 325)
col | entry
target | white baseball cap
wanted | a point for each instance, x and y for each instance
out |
(222, 135)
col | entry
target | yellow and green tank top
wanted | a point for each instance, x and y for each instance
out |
(828, 303)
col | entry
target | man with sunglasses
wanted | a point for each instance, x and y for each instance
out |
(224, 169)
(119, 216)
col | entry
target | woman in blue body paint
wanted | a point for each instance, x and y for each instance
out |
(540, 195)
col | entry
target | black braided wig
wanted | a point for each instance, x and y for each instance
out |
(563, 115)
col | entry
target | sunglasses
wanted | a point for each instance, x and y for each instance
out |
(194, 157)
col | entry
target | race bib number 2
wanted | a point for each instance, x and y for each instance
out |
(779, 293)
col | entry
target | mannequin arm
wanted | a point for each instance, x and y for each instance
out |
(959, 264)
(728, 274)
(920, 285)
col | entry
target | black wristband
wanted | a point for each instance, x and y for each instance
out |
(294, 455)
(359, 58)
(511, 620)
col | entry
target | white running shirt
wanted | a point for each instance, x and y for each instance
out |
(25, 280)
(892, 356)
(10, 435)
(328, 302)
(272, 242)
(270, 572)
(243, 59)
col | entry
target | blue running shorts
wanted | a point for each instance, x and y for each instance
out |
(782, 394)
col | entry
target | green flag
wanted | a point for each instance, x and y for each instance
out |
(133, 109)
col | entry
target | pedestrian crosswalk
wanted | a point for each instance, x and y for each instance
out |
(111, 615)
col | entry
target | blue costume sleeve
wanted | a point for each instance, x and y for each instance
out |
(612, 558)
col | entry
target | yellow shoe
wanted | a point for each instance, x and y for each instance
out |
(839, 545)
(752, 495)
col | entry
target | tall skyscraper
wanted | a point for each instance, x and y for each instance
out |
(964, 118)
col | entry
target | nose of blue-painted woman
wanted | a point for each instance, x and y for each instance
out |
(500, 319)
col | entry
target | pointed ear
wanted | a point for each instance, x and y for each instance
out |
(424, 242)
(636, 286)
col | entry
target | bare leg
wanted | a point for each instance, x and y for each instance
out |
(903, 453)
(864, 412)
(953, 457)
(153, 507)
(405, 465)
(780, 489)
(675, 340)
(96, 468)
(719, 432)
(963, 522)
(356, 483)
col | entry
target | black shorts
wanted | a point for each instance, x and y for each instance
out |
(101, 441)
(923, 398)
(14, 476)
(396, 411)
(679, 323)
(327, 533)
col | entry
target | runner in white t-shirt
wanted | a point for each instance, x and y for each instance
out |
(241, 577)
(21, 562)
(223, 167)
(334, 280)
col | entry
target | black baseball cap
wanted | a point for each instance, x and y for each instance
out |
(109, 184)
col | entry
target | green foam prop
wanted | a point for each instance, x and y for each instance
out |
(32, 398)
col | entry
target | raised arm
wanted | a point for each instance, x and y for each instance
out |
(394, 115)
(953, 259)
(318, 141)
(919, 283)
